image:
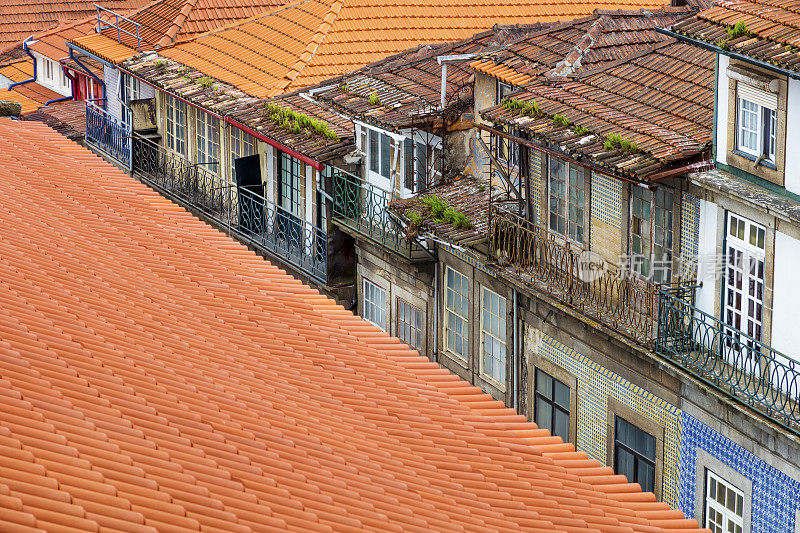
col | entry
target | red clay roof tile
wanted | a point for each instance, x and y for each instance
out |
(313, 420)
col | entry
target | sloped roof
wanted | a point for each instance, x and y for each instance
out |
(308, 41)
(661, 100)
(68, 118)
(584, 44)
(159, 376)
(20, 19)
(29, 95)
(773, 29)
(406, 86)
(166, 21)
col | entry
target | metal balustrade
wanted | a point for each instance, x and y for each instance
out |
(362, 206)
(728, 359)
(242, 213)
(598, 290)
(103, 25)
(108, 134)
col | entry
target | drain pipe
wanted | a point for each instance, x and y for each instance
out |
(90, 73)
(442, 60)
(436, 312)
(25, 43)
(517, 358)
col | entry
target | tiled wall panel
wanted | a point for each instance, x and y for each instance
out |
(607, 200)
(690, 227)
(595, 385)
(776, 496)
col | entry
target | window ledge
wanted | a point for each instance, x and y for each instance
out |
(764, 162)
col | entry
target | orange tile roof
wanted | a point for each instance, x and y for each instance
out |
(309, 41)
(159, 376)
(30, 95)
(21, 18)
(105, 48)
(28, 105)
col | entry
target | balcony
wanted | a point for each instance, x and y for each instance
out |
(362, 207)
(728, 359)
(599, 291)
(109, 135)
(241, 213)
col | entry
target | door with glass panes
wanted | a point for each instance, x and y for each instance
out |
(290, 197)
(744, 289)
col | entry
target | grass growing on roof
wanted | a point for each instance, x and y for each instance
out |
(443, 213)
(205, 82)
(617, 142)
(580, 130)
(296, 122)
(738, 30)
(560, 120)
(528, 108)
(374, 100)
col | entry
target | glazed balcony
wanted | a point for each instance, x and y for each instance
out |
(240, 212)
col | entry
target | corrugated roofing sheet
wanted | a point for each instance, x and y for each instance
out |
(159, 376)
(309, 41)
(773, 29)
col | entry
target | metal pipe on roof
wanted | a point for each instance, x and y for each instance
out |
(72, 78)
(25, 47)
(89, 72)
(443, 60)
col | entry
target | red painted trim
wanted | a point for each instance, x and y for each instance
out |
(272, 142)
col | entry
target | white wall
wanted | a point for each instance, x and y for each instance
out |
(4, 82)
(111, 78)
(54, 83)
(792, 166)
(707, 257)
(721, 127)
(785, 296)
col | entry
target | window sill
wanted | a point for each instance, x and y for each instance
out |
(764, 162)
(493, 382)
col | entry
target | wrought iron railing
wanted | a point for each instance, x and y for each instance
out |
(362, 206)
(576, 278)
(728, 359)
(108, 134)
(240, 212)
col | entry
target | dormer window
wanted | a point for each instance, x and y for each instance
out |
(757, 119)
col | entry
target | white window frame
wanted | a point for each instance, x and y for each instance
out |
(493, 334)
(374, 306)
(175, 112)
(456, 317)
(726, 515)
(409, 324)
(207, 141)
(756, 122)
(241, 145)
(130, 89)
(382, 174)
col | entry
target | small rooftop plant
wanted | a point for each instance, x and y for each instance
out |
(560, 120)
(738, 30)
(443, 213)
(528, 108)
(374, 100)
(297, 123)
(617, 142)
(580, 130)
(205, 82)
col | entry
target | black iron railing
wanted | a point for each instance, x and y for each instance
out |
(108, 134)
(362, 206)
(727, 358)
(240, 212)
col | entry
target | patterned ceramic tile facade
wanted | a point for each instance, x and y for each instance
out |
(536, 182)
(690, 227)
(607, 200)
(595, 385)
(776, 496)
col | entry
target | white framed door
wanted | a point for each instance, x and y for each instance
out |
(744, 287)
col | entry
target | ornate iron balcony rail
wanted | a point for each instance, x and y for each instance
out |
(729, 360)
(361, 206)
(240, 212)
(108, 134)
(598, 290)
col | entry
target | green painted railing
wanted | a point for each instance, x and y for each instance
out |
(728, 359)
(362, 206)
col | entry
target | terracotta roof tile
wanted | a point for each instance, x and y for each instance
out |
(20, 19)
(773, 29)
(67, 117)
(661, 100)
(228, 395)
(308, 41)
(29, 95)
